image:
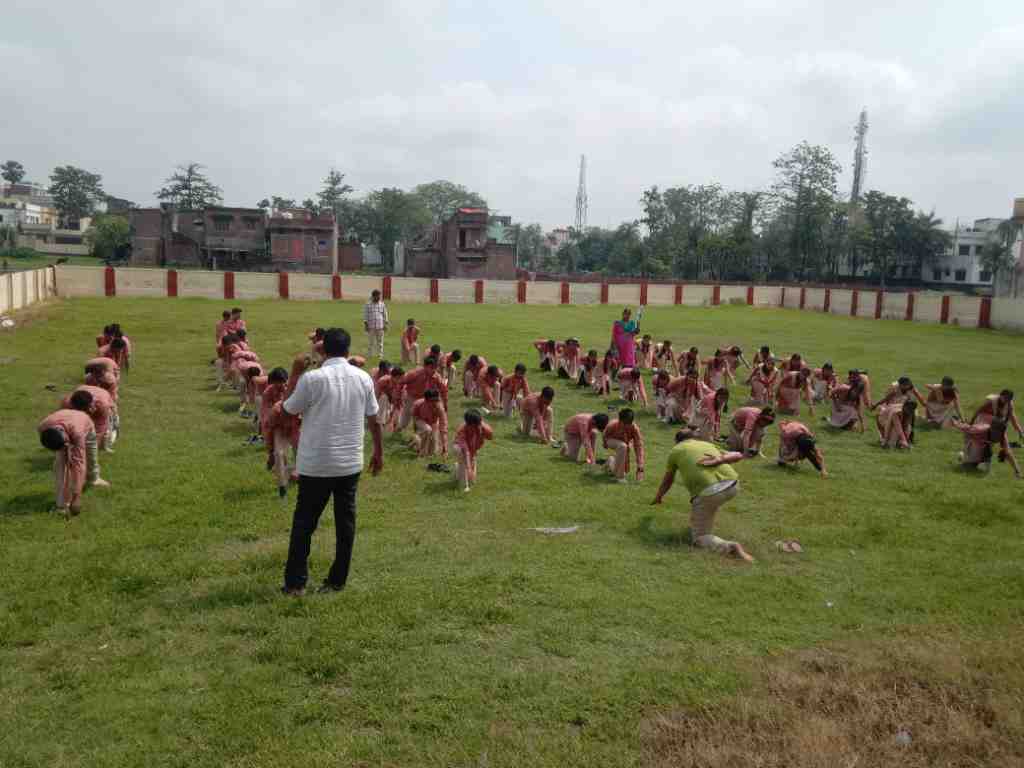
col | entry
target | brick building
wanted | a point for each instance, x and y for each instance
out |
(471, 244)
(243, 239)
(301, 242)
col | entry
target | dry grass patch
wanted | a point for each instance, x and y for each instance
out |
(906, 700)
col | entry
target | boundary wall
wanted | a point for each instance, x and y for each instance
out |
(929, 307)
(22, 289)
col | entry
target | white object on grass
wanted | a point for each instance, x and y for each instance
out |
(553, 531)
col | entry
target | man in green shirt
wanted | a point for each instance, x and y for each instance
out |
(706, 473)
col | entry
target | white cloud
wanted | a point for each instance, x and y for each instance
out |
(505, 98)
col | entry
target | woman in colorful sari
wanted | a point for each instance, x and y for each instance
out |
(624, 333)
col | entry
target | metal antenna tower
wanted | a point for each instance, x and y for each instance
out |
(860, 157)
(581, 197)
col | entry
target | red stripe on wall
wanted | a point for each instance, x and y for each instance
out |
(565, 293)
(435, 291)
(854, 301)
(828, 300)
(478, 291)
(521, 292)
(985, 313)
(335, 286)
(229, 285)
(879, 299)
(750, 295)
(782, 298)
(716, 295)
(172, 283)
(109, 282)
(910, 307)
(604, 293)
(282, 284)
(944, 317)
(679, 294)
(386, 288)
(803, 297)
(643, 294)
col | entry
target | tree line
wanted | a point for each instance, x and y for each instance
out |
(800, 228)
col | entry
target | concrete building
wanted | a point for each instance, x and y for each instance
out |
(470, 244)
(1011, 284)
(961, 264)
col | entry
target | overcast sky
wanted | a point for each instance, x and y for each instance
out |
(504, 97)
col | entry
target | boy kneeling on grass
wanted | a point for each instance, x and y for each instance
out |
(431, 421)
(711, 482)
(468, 441)
(618, 436)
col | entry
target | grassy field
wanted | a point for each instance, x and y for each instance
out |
(150, 631)
(38, 260)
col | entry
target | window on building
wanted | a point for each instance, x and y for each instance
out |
(936, 274)
(221, 225)
(961, 275)
(947, 271)
(250, 223)
(965, 250)
(462, 239)
(985, 276)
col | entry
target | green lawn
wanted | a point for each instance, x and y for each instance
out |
(150, 631)
(38, 260)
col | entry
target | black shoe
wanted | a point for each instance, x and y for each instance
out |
(293, 591)
(282, 491)
(327, 588)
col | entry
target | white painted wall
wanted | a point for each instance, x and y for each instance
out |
(252, 285)
(964, 310)
(79, 281)
(501, 291)
(306, 287)
(767, 295)
(792, 297)
(410, 289)
(1008, 314)
(730, 294)
(866, 304)
(542, 292)
(927, 307)
(456, 291)
(660, 294)
(894, 306)
(23, 289)
(358, 287)
(206, 285)
(624, 294)
(585, 293)
(133, 281)
(841, 300)
(815, 300)
(697, 295)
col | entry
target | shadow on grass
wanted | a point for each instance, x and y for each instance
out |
(236, 595)
(27, 504)
(644, 532)
(39, 462)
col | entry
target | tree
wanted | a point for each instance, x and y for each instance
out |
(281, 203)
(12, 171)
(75, 192)
(927, 241)
(109, 236)
(442, 198)
(997, 252)
(334, 192)
(806, 186)
(189, 188)
(531, 243)
(888, 220)
(264, 204)
(311, 205)
(395, 215)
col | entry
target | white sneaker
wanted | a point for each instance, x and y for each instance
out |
(100, 483)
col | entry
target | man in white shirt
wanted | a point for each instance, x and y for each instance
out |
(334, 400)
(375, 321)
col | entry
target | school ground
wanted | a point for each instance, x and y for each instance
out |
(150, 630)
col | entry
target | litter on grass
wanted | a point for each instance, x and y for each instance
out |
(555, 531)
